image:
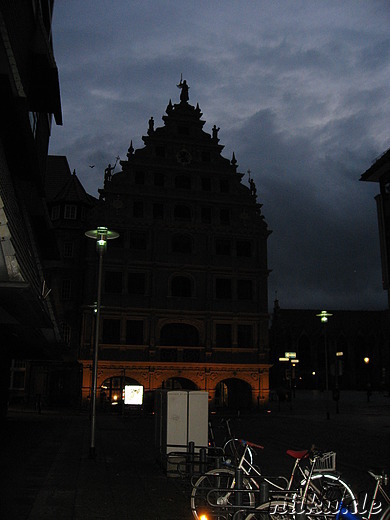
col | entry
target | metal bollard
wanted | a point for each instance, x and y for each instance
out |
(191, 456)
(238, 495)
(264, 492)
(202, 460)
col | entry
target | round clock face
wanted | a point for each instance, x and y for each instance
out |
(183, 157)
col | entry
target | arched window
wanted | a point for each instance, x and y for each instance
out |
(182, 244)
(182, 213)
(181, 286)
(179, 334)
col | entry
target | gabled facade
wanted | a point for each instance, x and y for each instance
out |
(184, 300)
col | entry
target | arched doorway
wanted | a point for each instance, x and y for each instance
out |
(234, 394)
(111, 391)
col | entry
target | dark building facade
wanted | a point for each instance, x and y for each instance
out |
(29, 97)
(380, 172)
(184, 301)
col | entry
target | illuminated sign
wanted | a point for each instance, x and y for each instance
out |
(134, 394)
(290, 354)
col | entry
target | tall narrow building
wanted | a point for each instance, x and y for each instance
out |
(184, 301)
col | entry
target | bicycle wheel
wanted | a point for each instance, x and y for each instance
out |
(281, 509)
(386, 514)
(214, 494)
(326, 492)
(233, 450)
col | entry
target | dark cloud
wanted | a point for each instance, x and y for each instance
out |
(300, 90)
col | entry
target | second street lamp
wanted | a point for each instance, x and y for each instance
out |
(323, 315)
(101, 235)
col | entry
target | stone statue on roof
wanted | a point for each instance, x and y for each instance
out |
(184, 96)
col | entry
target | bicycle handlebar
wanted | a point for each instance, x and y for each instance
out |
(251, 444)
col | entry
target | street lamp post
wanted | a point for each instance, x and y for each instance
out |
(101, 235)
(323, 315)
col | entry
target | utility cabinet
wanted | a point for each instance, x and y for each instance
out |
(181, 417)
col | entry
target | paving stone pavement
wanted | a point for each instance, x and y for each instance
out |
(47, 472)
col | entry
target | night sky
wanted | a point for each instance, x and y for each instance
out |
(300, 91)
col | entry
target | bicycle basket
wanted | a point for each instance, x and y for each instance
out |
(327, 462)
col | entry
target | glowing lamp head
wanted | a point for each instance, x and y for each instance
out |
(366, 360)
(324, 315)
(203, 517)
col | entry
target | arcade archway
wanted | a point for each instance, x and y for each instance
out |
(234, 394)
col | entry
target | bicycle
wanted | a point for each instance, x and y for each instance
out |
(232, 448)
(216, 491)
(375, 507)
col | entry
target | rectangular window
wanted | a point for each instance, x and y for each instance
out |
(224, 217)
(17, 375)
(138, 240)
(67, 249)
(70, 211)
(136, 283)
(55, 212)
(222, 247)
(206, 215)
(206, 184)
(223, 335)
(244, 336)
(206, 156)
(160, 151)
(66, 289)
(66, 333)
(111, 331)
(134, 332)
(138, 209)
(244, 290)
(139, 178)
(244, 248)
(224, 186)
(223, 288)
(158, 211)
(159, 179)
(113, 282)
